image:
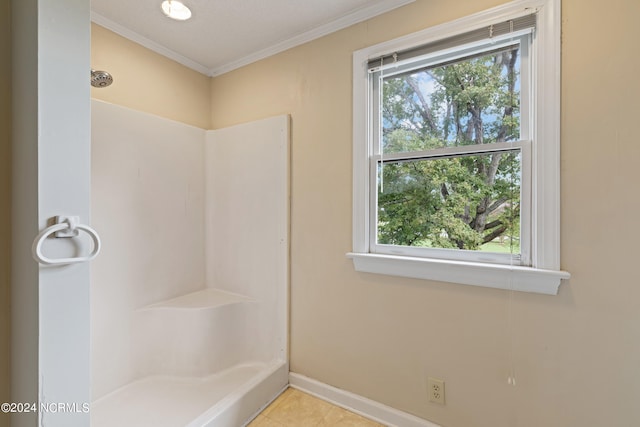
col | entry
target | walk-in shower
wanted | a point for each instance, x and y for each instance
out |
(189, 294)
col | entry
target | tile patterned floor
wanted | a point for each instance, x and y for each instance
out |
(294, 408)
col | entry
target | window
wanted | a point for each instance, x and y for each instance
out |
(456, 151)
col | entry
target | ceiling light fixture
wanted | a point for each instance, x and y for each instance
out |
(176, 10)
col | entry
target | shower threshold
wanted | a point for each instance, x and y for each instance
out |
(229, 398)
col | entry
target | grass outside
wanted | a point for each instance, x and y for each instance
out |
(501, 248)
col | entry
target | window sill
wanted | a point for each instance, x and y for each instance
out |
(524, 279)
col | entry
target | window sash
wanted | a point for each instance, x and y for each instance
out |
(376, 81)
(523, 258)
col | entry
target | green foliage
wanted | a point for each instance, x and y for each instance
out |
(459, 202)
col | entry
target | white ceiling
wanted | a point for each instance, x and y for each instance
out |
(226, 34)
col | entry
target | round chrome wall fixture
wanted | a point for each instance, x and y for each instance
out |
(100, 78)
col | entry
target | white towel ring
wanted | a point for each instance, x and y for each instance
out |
(64, 227)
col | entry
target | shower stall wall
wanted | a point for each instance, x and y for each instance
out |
(189, 296)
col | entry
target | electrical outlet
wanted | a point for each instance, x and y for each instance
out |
(436, 390)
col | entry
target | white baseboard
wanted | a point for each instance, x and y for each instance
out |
(360, 405)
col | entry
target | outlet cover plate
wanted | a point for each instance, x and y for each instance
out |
(435, 388)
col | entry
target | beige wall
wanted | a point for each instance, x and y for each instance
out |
(576, 355)
(146, 81)
(5, 203)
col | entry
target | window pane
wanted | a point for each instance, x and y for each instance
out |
(471, 101)
(467, 202)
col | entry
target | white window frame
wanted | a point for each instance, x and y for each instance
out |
(542, 274)
(523, 145)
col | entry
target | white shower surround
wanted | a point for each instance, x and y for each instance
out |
(189, 297)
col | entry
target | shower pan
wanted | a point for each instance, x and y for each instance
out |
(189, 294)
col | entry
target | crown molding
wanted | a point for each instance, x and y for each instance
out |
(352, 18)
(149, 44)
